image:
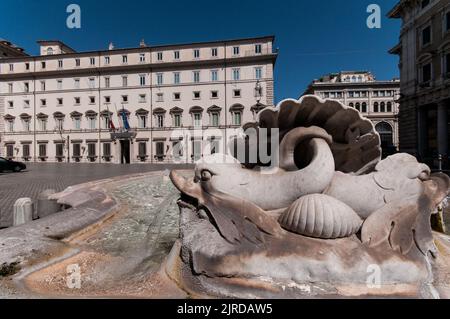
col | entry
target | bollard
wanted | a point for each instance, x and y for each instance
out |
(23, 211)
(45, 206)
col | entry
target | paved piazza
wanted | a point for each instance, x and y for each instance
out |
(39, 177)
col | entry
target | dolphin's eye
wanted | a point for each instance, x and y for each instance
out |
(206, 175)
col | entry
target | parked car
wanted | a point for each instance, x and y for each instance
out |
(7, 165)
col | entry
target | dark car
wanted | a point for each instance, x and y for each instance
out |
(7, 165)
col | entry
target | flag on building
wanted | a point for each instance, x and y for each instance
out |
(126, 125)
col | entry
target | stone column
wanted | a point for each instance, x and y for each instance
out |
(442, 128)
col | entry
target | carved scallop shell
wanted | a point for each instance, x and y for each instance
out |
(356, 145)
(320, 216)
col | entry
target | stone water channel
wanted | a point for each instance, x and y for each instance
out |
(122, 257)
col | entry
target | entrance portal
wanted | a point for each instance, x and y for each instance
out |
(125, 152)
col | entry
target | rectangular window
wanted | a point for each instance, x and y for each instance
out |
(142, 80)
(142, 57)
(214, 75)
(142, 98)
(43, 102)
(236, 50)
(107, 82)
(77, 83)
(214, 52)
(176, 96)
(26, 125)
(447, 21)
(10, 88)
(196, 150)
(236, 93)
(258, 73)
(92, 61)
(26, 150)
(77, 62)
(11, 67)
(77, 100)
(196, 76)
(177, 120)
(9, 150)
(447, 65)
(91, 150)
(426, 73)
(142, 121)
(26, 104)
(92, 100)
(59, 150)
(10, 104)
(92, 83)
(60, 124)
(159, 56)
(124, 98)
(426, 36)
(176, 55)
(42, 85)
(214, 94)
(76, 150)
(107, 150)
(60, 64)
(258, 48)
(91, 122)
(42, 150)
(236, 74)
(142, 149)
(59, 101)
(124, 59)
(124, 81)
(215, 119)
(160, 150)
(10, 126)
(27, 66)
(107, 60)
(196, 95)
(59, 84)
(77, 123)
(43, 124)
(43, 65)
(159, 97)
(237, 118)
(196, 53)
(176, 78)
(197, 119)
(160, 120)
(26, 87)
(159, 79)
(107, 99)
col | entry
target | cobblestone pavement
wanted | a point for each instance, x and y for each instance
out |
(58, 176)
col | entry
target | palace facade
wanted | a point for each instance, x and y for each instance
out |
(424, 51)
(376, 100)
(180, 101)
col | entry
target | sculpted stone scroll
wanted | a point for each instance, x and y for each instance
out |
(332, 210)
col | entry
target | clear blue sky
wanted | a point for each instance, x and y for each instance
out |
(314, 37)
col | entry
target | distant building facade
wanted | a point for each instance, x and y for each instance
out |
(59, 106)
(376, 100)
(424, 50)
(8, 49)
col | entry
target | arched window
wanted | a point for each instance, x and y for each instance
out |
(385, 131)
(358, 106)
(360, 78)
(364, 107)
(354, 78)
(382, 107)
(389, 107)
(376, 107)
(49, 51)
(351, 105)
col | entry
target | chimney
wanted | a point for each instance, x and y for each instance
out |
(111, 46)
